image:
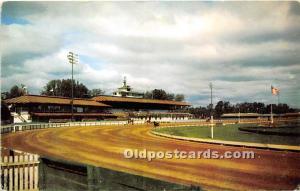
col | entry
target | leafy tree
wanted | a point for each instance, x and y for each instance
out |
(199, 112)
(148, 95)
(16, 91)
(5, 113)
(225, 107)
(219, 109)
(159, 94)
(280, 108)
(170, 96)
(64, 88)
(228, 108)
(5, 95)
(163, 95)
(95, 92)
(179, 97)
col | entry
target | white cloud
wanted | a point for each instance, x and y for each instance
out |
(177, 46)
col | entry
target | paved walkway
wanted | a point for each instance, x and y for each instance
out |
(233, 143)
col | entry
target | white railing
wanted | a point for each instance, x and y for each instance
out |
(19, 172)
(23, 127)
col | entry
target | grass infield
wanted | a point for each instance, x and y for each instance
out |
(232, 133)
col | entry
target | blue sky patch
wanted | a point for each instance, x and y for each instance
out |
(7, 20)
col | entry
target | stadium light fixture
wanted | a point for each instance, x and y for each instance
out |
(73, 59)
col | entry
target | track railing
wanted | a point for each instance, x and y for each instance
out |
(23, 127)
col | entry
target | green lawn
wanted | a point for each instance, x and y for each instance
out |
(232, 133)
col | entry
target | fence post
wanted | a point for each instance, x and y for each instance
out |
(5, 174)
(21, 173)
(30, 173)
(16, 173)
(10, 186)
(25, 173)
(36, 173)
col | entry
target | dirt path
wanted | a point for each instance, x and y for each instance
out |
(104, 147)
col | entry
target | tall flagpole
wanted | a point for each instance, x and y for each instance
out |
(211, 112)
(272, 120)
(274, 91)
(278, 93)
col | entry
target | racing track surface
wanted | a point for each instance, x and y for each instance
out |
(104, 147)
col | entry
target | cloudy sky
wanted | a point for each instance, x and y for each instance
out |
(242, 48)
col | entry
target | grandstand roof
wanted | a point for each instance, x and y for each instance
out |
(138, 100)
(27, 99)
(75, 114)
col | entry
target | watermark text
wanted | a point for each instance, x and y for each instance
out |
(177, 154)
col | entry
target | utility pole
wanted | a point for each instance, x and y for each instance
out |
(211, 113)
(73, 59)
(239, 113)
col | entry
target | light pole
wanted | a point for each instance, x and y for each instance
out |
(239, 114)
(73, 59)
(239, 121)
(211, 108)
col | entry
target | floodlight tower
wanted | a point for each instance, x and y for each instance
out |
(73, 59)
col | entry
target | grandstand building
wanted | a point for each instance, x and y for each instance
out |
(30, 108)
(145, 109)
(37, 108)
(124, 104)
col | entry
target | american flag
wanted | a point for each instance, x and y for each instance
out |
(274, 91)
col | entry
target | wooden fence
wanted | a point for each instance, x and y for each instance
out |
(19, 172)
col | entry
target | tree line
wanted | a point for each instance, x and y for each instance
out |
(63, 88)
(163, 95)
(226, 107)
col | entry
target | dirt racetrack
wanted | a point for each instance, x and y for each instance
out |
(104, 147)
